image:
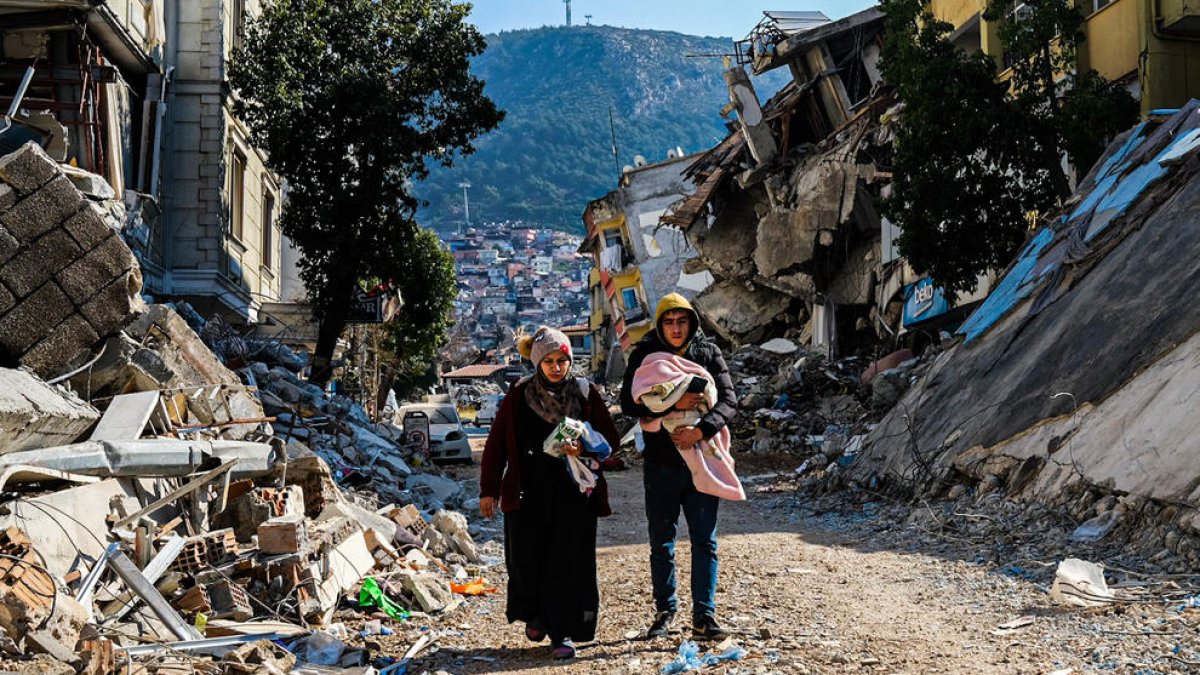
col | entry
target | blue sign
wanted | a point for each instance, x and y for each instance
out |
(923, 301)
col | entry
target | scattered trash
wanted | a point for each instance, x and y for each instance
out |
(477, 587)
(1080, 583)
(1014, 625)
(371, 595)
(689, 658)
(1097, 528)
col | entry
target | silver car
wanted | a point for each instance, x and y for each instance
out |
(448, 440)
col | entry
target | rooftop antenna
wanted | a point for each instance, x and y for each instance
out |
(589, 18)
(466, 205)
(568, 4)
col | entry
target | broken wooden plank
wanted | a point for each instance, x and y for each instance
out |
(176, 494)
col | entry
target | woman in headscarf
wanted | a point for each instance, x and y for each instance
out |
(549, 522)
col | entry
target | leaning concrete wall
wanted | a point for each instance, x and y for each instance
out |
(66, 278)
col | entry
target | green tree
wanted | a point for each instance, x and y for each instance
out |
(411, 341)
(351, 101)
(974, 157)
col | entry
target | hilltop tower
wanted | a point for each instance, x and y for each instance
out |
(568, 4)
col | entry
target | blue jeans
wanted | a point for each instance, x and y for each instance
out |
(668, 488)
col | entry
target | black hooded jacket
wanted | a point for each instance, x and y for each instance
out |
(659, 447)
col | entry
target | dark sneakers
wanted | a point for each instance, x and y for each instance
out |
(661, 625)
(706, 629)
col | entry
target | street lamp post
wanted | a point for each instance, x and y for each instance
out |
(466, 205)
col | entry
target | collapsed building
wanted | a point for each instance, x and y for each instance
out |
(635, 261)
(1073, 382)
(172, 492)
(785, 213)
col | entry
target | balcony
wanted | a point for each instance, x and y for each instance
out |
(636, 315)
(1180, 18)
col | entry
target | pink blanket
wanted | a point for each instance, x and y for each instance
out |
(658, 384)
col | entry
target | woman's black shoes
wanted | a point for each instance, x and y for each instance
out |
(563, 650)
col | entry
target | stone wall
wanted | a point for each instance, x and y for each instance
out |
(66, 278)
(204, 256)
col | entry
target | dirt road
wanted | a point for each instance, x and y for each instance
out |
(834, 592)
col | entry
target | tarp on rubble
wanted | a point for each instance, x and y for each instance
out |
(1098, 303)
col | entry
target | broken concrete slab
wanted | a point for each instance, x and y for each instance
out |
(430, 591)
(34, 414)
(741, 314)
(441, 489)
(145, 457)
(126, 417)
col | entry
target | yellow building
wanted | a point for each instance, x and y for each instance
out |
(1151, 46)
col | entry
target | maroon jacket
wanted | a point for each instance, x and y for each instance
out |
(500, 472)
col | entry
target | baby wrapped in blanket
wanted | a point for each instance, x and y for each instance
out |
(659, 383)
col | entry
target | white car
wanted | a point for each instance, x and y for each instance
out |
(489, 405)
(447, 437)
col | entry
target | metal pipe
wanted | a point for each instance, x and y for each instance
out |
(16, 102)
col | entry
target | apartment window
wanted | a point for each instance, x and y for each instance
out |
(1101, 4)
(612, 238)
(634, 311)
(237, 194)
(268, 226)
(239, 22)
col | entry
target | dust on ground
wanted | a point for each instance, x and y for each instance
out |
(831, 586)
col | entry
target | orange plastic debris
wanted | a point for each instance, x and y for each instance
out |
(477, 587)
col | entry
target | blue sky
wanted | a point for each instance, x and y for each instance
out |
(723, 18)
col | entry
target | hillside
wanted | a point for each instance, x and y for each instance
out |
(553, 153)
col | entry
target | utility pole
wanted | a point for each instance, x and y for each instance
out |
(466, 206)
(589, 18)
(568, 4)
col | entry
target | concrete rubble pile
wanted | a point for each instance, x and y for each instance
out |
(801, 403)
(163, 511)
(1071, 385)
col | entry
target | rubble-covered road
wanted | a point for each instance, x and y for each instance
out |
(834, 592)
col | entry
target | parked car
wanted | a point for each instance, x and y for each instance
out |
(489, 405)
(447, 437)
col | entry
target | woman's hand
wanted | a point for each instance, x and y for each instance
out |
(487, 506)
(571, 448)
(690, 402)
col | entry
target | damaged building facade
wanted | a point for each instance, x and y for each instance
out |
(636, 261)
(785, 212)
(1151, 47)
(133, 92)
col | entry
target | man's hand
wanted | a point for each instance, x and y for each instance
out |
(690, 402)
(572, 448)
(487, 506)
(686, 437)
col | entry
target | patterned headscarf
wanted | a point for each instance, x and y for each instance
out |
(551, 401)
